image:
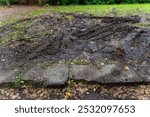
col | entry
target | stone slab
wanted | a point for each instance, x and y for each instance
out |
(112, 73)
(58, 74)
(52, 75)
(7, 76)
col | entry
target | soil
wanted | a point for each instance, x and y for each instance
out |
(17, 11)
(58, 37)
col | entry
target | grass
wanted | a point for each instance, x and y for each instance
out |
(97, 10)
(102, 10)
(8, 20)
(18, 81)
(44, 10)
(80, 62)
(77, 61)
(146, 25)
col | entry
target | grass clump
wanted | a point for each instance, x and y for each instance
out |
(77, 61)
(145, 25)
(18, 81)
(80, 61)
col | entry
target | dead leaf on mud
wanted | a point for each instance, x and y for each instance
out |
(126, 67)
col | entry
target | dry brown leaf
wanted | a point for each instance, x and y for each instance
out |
(126, 67)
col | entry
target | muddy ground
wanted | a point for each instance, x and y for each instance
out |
(66, 37)
(57, 38)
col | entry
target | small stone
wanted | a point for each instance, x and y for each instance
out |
(3, 60)
(92, 46)
(102, 63)
(126, 67)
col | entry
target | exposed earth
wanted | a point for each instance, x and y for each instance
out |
(79, 47)
(70, 36)
(17, 10)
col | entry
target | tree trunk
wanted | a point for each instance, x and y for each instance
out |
(40, 2)
(27, 2)
(82, 2)
(8, 3)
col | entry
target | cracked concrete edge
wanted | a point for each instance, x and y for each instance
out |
(58, 74)
(112, 73)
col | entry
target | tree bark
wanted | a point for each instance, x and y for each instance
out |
(40, 2)
(8, 3)
(82, 2)
(27, 2)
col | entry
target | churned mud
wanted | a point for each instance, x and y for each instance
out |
(75, 39)
(63, 37)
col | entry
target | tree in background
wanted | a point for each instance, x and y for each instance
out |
(8, 3)
(82, 1)
(27, 2)
(40, 2)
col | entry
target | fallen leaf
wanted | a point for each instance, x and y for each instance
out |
(68, 94)
(126, 67)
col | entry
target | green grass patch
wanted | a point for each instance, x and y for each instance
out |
(21, 25)
(18, 33)
(80, 62)
(18, 81)
(97, 10)
(145, 25)
(77, 61)
(37, 12)
(8, 20)
(102, 10)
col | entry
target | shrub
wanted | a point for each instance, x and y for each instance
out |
(11, 1)
(84, 2)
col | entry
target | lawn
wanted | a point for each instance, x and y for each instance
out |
(122, 9)
(98, 10)
(102, 10)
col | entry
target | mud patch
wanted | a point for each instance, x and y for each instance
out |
(64, 38)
